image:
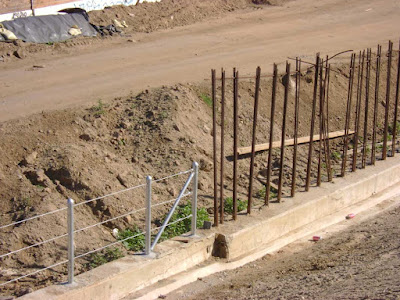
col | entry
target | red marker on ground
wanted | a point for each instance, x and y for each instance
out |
(350, 216)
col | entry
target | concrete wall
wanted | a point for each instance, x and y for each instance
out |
(12, 9)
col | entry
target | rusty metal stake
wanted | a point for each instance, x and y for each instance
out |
(358, 110)
(348, 114)
(271, 136)
(235, 141)
(387, 105)
(368, 75)
(374, 124)
(214, 104)
(221, 198)
(396, 106)
(314, 107)
(321, 109)
(326, 125)
(296, 125)
(285, 104)
(253, 144)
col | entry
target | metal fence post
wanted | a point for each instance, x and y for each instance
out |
(148, 215)
(71, 252)
(194, 196)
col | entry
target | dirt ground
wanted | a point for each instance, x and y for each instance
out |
(244, 38)
(360, 262)
(123, 130)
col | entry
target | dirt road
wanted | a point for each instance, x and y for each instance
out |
(243, 39)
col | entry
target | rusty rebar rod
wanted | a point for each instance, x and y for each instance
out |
(348, 114)
(253, 144)
(326, 125)
(358, 111)
(320, 122)
(285, 105)
(375, 120)
(368, 75)
(387, 104)
(296, 125)
(235, 140)
(314, 107)
(271, 135)
(222, 164)
(396, 106)
(214, 105)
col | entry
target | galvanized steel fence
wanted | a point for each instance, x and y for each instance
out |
(191, 181)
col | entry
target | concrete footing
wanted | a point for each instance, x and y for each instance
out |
(233, 240)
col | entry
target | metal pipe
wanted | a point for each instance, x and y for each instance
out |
(253, 144)
(71, 248)
(214, 106)
(148, 216)
(271, 136)
(387, 105)
(195, 184)
(222, 163)
(285, 104)
(358, 109)
(171, 212)
(348, 114)
(396, 106)
(374, 124)
(364, 153)
(235, 142)
(296, 125)
(314, 107)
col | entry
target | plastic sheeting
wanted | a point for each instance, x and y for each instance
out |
(48, 29)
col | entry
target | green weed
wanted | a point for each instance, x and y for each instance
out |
(207, 100)
(136, 243)
(273, 193)
(336, 155)
(98, 109)
(228, 206)
(98, 259)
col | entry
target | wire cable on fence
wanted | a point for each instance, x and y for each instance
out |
(109, 220)
(169, 201)
(177, 221)
(172, 176)
(109, 195)
(35, 217)
(35, 245)
(33, 273)
(114, 243)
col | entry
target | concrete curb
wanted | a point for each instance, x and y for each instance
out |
(233, 241)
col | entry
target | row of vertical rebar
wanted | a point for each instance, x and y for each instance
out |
(320, 99)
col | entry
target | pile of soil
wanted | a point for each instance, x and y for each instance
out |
(141, 18)
(88, 152)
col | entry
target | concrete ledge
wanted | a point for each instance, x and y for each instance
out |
(233, 240)
(117, 279)
(305, 208)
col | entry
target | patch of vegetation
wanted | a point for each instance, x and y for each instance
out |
(228, 206)
(207, 100)
(164, 115)
(397, 128)
(136, 243)
(98, 109)
(336, 155)
(273, 193)
(179, 228)
(98, 259)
